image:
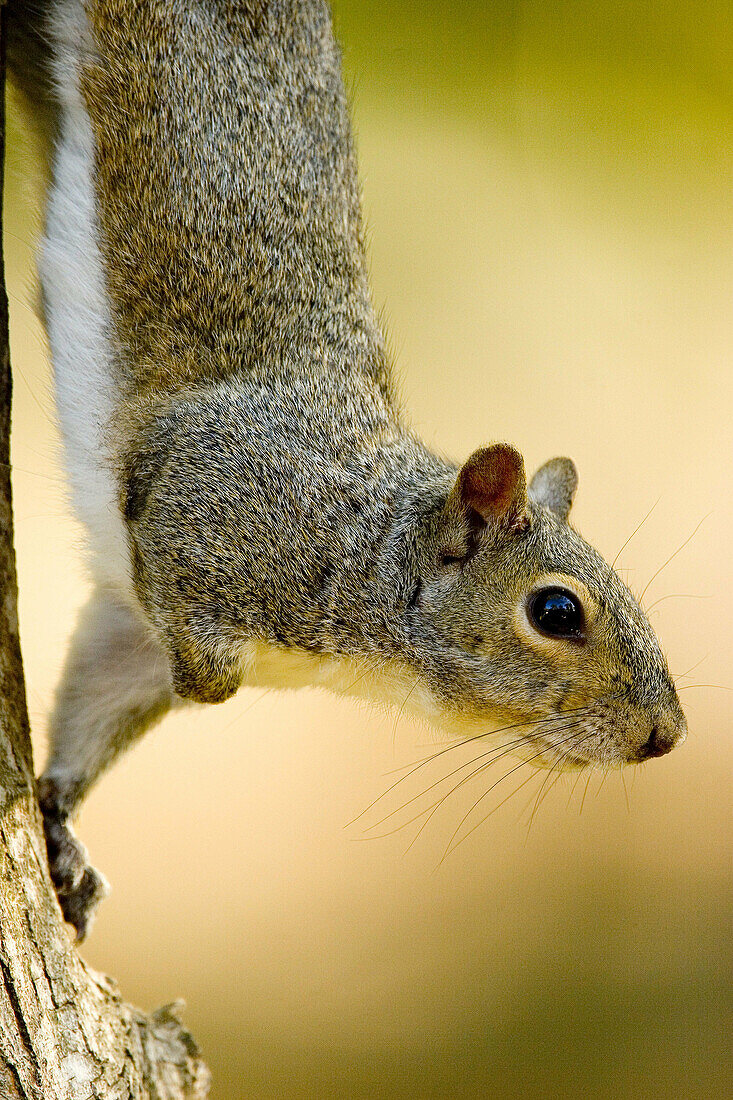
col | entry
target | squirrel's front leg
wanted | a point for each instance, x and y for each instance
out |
(115, 684)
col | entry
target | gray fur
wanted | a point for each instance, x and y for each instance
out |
(274, 499)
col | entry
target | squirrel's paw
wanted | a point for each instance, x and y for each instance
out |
(79, 887)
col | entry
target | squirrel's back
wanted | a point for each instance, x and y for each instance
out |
(203, 219)
(226, 186)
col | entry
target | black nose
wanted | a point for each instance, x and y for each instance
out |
(659, 744)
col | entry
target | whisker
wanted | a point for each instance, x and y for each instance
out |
(549, 724)
(720, 687)
(506, 798)
(605, 777)
(400, 711)
(575, 784)
(486, 793)
(634, 532)
(554, 783)
(557, 778)
(507, 749)
(533, 796)
(540, 796)
(436, 805)
(247, 709)
(626, 790)
(565, 756)
(452, 843)
(673, 556)
(433, 807)
(415, 763)
(452, 846)
(585, 792)
(559, 720)
(548, 721)
(690, 669)
(676, 596)
(448, 748)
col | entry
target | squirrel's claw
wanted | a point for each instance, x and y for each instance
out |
(79, 887)
(79, 907)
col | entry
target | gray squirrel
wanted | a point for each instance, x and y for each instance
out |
(257, 510)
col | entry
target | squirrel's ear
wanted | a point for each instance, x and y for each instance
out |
(554, 485)
(492, 486)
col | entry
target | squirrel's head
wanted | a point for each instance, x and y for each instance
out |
(513, 619)
(516, 621)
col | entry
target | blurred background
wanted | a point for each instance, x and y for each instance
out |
(548, 193)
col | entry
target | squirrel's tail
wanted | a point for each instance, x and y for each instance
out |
(29, 62)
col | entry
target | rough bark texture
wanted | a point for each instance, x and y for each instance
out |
(64, 1030)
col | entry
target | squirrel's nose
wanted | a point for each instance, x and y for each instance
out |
(659, 743)
(663, 738)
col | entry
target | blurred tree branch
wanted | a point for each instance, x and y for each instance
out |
(65, 1032)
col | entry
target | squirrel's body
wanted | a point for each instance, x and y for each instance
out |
(295, 325)
(264, 282)
(258, 510)
(263, 306)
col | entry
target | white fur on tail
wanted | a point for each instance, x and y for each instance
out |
(78, 313)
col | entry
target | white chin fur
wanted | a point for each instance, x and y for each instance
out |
(382, 683)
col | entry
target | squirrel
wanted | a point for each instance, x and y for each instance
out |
(258, 510)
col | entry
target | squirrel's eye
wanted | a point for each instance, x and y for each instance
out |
(557, 613)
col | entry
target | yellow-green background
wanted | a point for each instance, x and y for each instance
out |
(549, 193)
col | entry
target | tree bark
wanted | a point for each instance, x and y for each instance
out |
(65, 1032)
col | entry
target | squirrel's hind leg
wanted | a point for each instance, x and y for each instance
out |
(115, 685)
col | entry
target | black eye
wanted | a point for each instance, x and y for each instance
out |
(557, 613)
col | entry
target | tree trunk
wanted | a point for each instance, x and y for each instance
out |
(65, 1032)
